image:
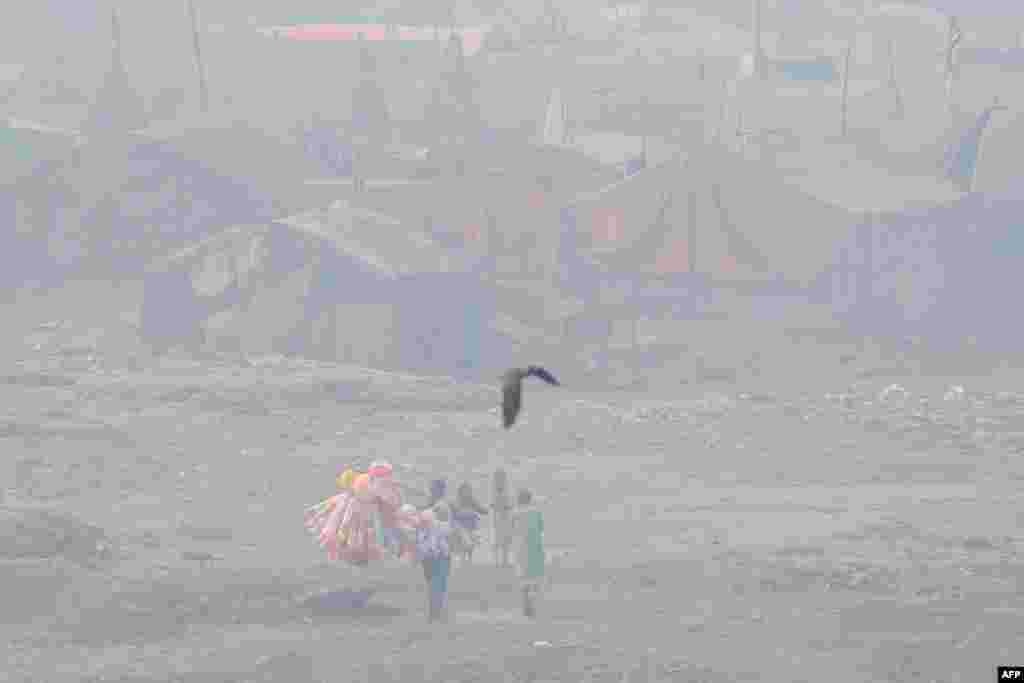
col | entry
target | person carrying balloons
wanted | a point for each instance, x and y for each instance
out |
(357, 524)
(324, 518)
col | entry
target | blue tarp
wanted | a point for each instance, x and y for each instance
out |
(1008, 58)
(962, 160)
(323, 144)
(171, 312)
(820, 70)
(474, 325)
(634, 166)
(577, 275)
(944, 275)
(454, 337)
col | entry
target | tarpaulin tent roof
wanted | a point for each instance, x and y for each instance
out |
(401, 11)
(24, 146)
(499, 178)
(271, 165)
(797, 220)
(642, 225)
(752, 221)
(982, 8)
(383, 243)
(146, 198)
(943, 273)
(860, 187)
(472, 38)
(73, 14)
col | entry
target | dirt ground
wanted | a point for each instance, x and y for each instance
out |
(757, 530)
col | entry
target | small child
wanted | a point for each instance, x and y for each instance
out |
(438, 491)
(529, 527)
(433, 551)
(466, 502)
(502, 507)
(407, 521)
(466, 513)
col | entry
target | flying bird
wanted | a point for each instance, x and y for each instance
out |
(512, 390)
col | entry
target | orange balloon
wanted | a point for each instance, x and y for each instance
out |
(362, 483)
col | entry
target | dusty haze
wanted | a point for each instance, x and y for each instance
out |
(771, 248)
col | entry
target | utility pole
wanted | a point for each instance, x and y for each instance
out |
(953, 40)
(115, 108)
(898, 110)
(200, 69)
(983, 127)
(691, 227)
(115, 46)
(847, 58)
(755, 10)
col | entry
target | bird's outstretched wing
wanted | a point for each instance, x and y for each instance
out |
(511, 401)
(541, 373)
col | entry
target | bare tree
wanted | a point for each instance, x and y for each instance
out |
(755, 12)
(197, 52)
(898, 109)
(953, 40)
(843, 115)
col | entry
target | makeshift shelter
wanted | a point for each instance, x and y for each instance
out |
(999, 9)
(196, 292)
(985, 154)
(461, 337)
(377, 30)
(178, 187)
(118, 107)
(892, 274)
(296, 285)
(1009, 59)
(137, 201)
(268, 162)
(964, 155)
(403, 275)
(983, 245)
(719, 231)
(504, 204)
(33, 201)
(655, 222)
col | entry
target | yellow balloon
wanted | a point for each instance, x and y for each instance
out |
(346, 479)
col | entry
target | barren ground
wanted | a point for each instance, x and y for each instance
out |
(766, 531)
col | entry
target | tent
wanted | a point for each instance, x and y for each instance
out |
(976, 8)
(943, 275)
(322, 268)
(944, 271)
(764, 240)
(708, 216)
(964, 156)
(472, 37)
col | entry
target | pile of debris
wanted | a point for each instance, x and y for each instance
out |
(39, 534)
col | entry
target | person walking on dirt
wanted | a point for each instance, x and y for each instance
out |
(438, 490)
(529, 528)
(434, 553)
(466, 513)
(501, 521)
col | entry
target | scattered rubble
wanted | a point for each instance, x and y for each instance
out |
(30, 533)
